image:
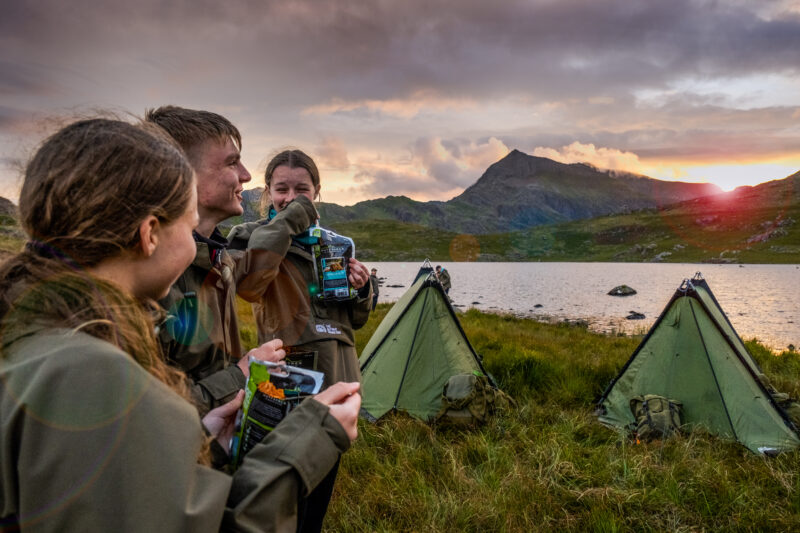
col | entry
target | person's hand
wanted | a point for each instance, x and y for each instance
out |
(344, 402)
(221, 422)
(359, 275)
(271, 351)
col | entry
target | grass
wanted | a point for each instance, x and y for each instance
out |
(549, 465)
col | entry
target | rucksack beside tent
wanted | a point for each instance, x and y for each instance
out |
(417, 347)
(693, 355)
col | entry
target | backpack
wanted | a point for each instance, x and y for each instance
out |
(656, 417)
(469, 399)
(789, 405)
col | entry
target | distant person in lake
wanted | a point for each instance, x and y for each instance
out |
(375, 283)
(201, 334)
(287, 290)
(444, 278)
(98, 431)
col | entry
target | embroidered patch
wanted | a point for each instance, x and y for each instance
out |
(327, 328)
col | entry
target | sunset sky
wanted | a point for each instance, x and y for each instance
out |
(418, 97)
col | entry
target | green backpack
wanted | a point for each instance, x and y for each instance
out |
(789, 405)
(469, 399)
(656, 417)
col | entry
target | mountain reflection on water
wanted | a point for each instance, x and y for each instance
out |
(760, 300)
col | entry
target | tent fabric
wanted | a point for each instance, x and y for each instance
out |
(417, 347)
(693, 355)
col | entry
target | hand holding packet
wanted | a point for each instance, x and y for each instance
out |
(332, 255)
(272, 391)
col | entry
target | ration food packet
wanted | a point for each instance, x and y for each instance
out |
(272, 391)
(332, 254)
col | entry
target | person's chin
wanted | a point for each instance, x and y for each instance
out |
(235, 211)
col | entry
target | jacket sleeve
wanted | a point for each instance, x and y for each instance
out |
(361, 307)
(103, 446)
(211, 391)
(217, 388)
(268, 245)
(291, 461)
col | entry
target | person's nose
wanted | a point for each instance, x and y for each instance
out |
(244, 175)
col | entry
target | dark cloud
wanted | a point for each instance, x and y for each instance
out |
(376, 50)
(376, 73)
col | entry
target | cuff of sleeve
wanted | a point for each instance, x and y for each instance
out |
(221, 385)
(316, 447)
(365, 292)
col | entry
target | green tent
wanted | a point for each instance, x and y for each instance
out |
(692, 354)
(417, 347)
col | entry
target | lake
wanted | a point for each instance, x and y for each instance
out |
(761, 301)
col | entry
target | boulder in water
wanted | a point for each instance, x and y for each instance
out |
(621, 290)
(635, 315)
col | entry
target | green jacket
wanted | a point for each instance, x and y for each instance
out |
(92, 442)
(284, 307)
(201, 333)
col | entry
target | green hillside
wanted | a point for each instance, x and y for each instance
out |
(749, 225)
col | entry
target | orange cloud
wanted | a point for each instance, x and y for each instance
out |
(398, 107)
(605, 158)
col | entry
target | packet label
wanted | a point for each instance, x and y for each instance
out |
(272, 391)
(332, 255)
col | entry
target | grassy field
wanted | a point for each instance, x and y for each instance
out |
(549, 465)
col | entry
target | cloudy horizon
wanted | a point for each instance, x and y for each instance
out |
(419, 98)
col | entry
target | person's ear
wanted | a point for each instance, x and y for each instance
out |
(148, 235)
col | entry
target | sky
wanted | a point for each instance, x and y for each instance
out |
(419, 97)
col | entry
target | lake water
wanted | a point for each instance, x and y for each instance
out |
(761, 301)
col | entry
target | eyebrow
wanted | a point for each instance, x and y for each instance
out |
(233, 158)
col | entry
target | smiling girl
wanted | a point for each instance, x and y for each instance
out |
(287, 304)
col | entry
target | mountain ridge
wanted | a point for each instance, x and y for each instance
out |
(518, 192)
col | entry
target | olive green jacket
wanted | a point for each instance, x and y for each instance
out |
(201, 333)
(284, 307)
(91, 442)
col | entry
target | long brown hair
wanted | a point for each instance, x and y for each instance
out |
(292, 159)
(85, 192)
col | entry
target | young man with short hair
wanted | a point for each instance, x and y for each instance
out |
(201, 334)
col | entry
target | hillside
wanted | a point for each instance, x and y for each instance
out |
(749, 225)
(519, 192)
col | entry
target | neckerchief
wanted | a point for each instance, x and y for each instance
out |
(216, 243)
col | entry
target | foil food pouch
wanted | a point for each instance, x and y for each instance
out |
(332, 255)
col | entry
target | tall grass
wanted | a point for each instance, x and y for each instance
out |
(548, 465)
